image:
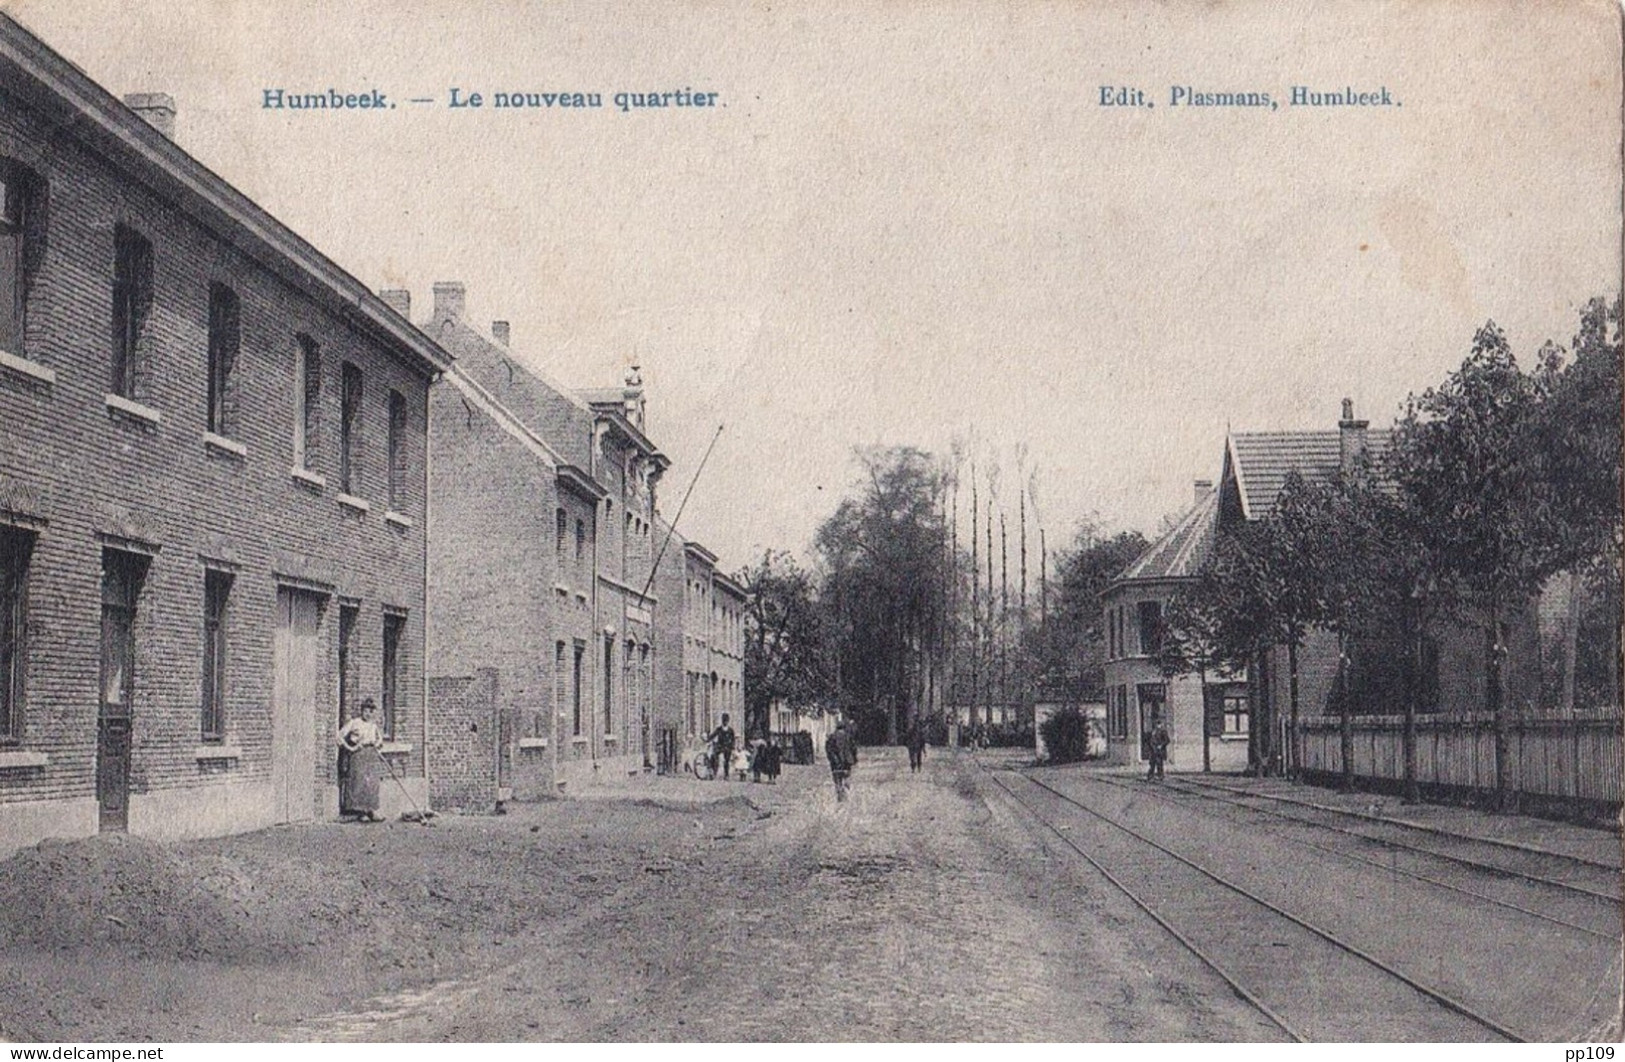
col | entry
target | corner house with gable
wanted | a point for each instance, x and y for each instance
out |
(212, 485)
(1206, 714)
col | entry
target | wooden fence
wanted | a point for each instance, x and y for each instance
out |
(1574, 760)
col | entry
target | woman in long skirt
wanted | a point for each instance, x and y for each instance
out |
(360, 765)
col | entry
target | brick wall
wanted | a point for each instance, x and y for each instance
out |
(465, 734)
(84, 474)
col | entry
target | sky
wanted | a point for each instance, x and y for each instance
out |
(913, 223)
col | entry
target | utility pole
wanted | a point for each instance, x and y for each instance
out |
(988, 630)
(975, 599)
(1021, 621)
(950, 616)
(1004, 621)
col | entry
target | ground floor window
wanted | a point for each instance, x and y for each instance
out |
(16, 547)
(394, 627)
(216, 591)
(1235, 713)
(1117, 712)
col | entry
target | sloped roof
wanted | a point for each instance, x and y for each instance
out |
(1180, 552)
(36, 73)
(1260, 462)
(551, 411)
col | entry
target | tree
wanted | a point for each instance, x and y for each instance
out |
(1069, 648)
(1463, 454)
(786, 642)
(885, 571)
(1191, 642)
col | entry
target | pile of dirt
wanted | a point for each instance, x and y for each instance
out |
(157, 900)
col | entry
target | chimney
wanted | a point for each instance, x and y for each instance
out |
(158, 108)
(448, 299)
(1204, 487)
(1351, 443)
(399, 300)
(632, 396)
(500, 332)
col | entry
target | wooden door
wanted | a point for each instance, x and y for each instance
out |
(294, 705)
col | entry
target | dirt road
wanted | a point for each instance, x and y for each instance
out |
(923, 908)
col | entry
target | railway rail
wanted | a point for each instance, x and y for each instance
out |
(1608, 915)
(1306, 980)
(1385, 831)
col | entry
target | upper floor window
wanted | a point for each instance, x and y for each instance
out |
(20, 238)
(224, 334)
(350, 430)
(1150, 628)
(397, 450)
(307, 391)
(132, 303)
(561, 530)
(581, 540)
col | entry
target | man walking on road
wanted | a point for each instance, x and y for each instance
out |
(916, 746)
(722, 748)
(843, 756)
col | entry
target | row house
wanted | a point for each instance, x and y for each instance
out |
(704, 615)
(541, 544)
(213, 485)
(1205, 713)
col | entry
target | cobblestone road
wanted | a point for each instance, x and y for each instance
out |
(923, 908)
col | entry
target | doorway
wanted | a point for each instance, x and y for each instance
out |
(122, 576)
(294, 696)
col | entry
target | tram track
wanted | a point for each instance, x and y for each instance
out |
(1271, 807)
(1160, 792)
(1308, 981)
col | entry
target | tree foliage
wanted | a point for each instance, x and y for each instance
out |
(1069, 648)
(885, 564)
(787, 650)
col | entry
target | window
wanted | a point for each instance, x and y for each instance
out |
(224, 333)
(394, 625)
(132, 301)
(16, 546)
(609, 683)
(561, 531)
(350, 430)
(575, 690)
(19, 242)
(348, 615)
(1151, 696)
(581, 541)
(1117, 712)
(397, 451)
(307, 392)
(560, 680)
(1150, 628)
(216, 590)
(1235, 714)
(122, 575)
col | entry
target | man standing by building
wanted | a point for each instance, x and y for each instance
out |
(843, 756)
(1158, 743)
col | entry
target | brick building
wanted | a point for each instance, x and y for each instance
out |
(704, 613)
(543, 503)
(1206, 714)
(1256, 466)
(212, 485)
